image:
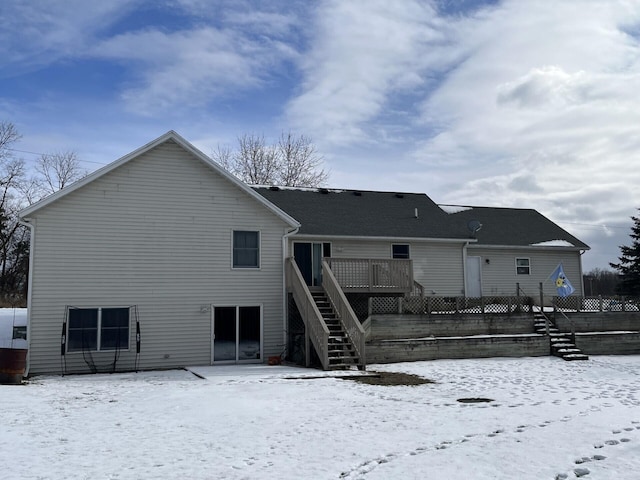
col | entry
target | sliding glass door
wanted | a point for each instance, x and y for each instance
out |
(237, 334)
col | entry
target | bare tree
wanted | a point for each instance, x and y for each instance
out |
(293, 161)
(57, 170)
(300, 163)
(13, 236)
(8, 136)
(52, 172)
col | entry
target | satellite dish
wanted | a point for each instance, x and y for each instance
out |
(474, 227)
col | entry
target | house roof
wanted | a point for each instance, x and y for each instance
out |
(362, 213)
(358, 213)
(170, 136)
(514, 227)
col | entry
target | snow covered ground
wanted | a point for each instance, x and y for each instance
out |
(547, 417)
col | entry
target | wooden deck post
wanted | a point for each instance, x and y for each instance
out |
(307, 349)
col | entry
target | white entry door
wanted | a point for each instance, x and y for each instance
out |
(474, 278)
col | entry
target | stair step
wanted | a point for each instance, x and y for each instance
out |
(342, 360)
(563, 351)
(575, 356)
(339, 347)
(563, 345)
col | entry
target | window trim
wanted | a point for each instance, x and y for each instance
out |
(99, 330)
(259, 257)
(408, 257)
(527, 266)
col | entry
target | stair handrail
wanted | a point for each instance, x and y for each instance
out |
(573, 327)
(418, 287)
(314, 324)
(342, 307)
(547, 321)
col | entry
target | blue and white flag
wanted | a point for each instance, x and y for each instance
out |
(562, 282)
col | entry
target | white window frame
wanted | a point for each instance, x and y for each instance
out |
(233, 236)
(99, 330)
(527, 266)
(237, 307)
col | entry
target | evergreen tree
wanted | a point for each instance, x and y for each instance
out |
(629, 263)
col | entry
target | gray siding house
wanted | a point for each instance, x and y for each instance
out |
(162, 259)
(166, 237)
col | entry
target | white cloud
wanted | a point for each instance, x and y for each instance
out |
(362, 55)
(548, 86)
(189, 67)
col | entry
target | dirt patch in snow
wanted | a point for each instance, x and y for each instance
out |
(475, 400)
(391, 379)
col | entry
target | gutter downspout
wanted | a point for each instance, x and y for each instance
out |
(582, 292)
(464, 267)
(285, 303)
(32, 242)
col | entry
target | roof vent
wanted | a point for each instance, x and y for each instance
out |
(399, 195)
(274, 189)
(357, 193)
(474, 227)
(415, 213)
(323, 191)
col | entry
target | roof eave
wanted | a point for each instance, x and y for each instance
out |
(533, 247)
(385, 238)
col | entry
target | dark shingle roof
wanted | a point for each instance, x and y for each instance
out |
(388, 214)
(514, 226)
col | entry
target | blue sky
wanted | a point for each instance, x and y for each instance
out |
(519, 103)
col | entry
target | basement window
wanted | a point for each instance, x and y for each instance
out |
(523, 266)
(98, 329)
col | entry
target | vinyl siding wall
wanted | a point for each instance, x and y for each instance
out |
(499, 275)
(436, 266)
(156, 233)
(439, 267)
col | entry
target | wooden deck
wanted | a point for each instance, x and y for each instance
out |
(373, 275)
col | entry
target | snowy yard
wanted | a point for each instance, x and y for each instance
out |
(547, 417)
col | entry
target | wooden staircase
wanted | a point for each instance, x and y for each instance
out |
(342, 354)
(562, 344)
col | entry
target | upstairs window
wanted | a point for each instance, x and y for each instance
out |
(246, 249)
(400, 250)
(523, 266)
(98, 329)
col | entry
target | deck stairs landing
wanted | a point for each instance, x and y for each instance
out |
(342, 354)
(562, 344)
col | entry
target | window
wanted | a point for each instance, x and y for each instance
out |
(246, 249)
(400, 250)
(20, 333)
(98, 329)
(522, 266)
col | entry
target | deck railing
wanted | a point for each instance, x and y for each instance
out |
(373, 275)
(432, 305)
(344, 311)
(597, 304)
(316, 328)
(428, 305)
